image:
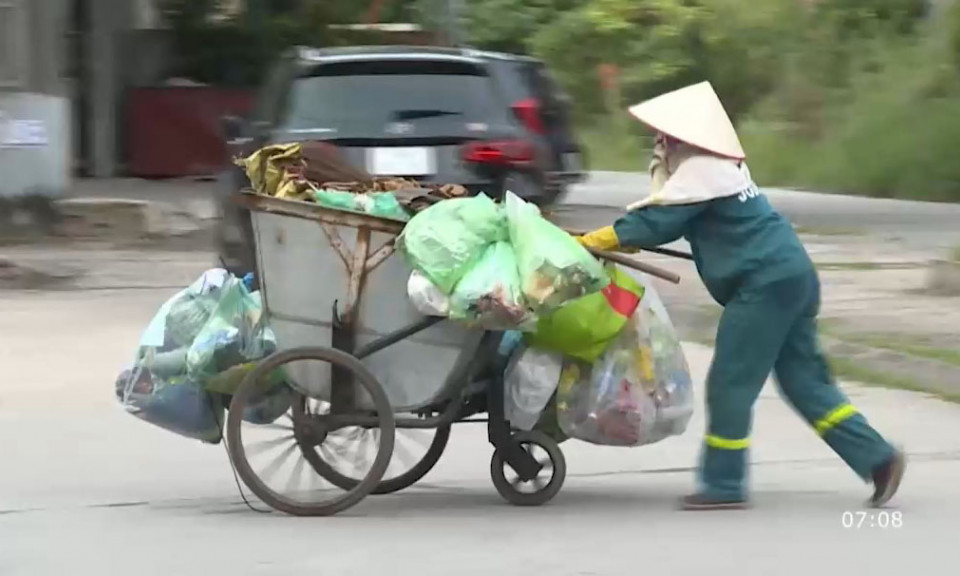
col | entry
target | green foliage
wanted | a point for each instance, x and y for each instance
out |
(612, 145)
(892, 132)
(851, 95)
(953, 29)
(659, 45)
(238, 49)
(510, 25)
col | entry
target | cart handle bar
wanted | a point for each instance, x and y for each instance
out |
(639, 266)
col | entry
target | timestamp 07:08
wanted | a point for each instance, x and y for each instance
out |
(879, 519)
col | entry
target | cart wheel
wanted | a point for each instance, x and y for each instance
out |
(545, 486)
(300, 428)
(408, 446)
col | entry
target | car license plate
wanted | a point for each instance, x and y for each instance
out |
(397, 161)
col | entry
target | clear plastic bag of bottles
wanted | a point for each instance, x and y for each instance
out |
(638, 392)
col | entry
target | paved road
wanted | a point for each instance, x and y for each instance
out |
(937, 226)
(87, 490)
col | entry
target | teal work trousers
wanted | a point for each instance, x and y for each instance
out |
(772, 328)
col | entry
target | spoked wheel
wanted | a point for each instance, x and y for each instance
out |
(300, 491)
(344, 456)
(539, 490)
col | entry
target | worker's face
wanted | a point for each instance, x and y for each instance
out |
(665, 142)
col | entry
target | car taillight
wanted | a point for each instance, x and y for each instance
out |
(500, 152)
(528, 111)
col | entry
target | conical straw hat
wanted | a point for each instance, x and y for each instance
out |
(693, 115)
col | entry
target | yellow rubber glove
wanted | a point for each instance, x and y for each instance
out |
(601, 239)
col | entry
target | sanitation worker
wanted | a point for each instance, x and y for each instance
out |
(754, 265)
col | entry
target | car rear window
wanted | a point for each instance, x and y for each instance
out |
(357, 99)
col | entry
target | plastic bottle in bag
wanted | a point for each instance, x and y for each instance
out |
(607, 403)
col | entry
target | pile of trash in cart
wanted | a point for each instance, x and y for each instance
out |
(590, 351)
(315, 172)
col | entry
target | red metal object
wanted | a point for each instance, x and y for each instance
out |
(175, 131)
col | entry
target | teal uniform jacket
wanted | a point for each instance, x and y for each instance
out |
(755, 266)
(737, 241)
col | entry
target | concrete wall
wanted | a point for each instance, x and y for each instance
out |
(35, 119)
(47, 23)
(35, 150)
(56, 89)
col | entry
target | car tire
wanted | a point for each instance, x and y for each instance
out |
(529, 188)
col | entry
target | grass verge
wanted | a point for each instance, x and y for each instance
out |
(827, 231)
(850, 266)
(868, 266)
(855, 371)
(850, 369)
(917, 346)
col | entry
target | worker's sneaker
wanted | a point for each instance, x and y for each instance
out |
(702, 502)
(886, 479)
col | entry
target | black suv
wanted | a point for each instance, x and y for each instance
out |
(488, 121)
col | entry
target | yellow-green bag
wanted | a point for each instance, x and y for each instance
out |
(583, 328)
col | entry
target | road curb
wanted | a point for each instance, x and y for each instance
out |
(88, 217)
(18, 276)
(114, 219)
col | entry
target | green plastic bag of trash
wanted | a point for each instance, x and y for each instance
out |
(186, 317)
(554, 267)
(336, 199)
(489, 293)
(381, 204)
(445, 241)
(384, 205)
(234, 335)
(582, 329)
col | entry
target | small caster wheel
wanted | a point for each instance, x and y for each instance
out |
(541, 489)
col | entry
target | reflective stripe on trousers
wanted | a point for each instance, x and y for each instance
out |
(823, 425)
(722, 443)
(834, 417)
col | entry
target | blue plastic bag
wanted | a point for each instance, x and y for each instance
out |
(195, 352)
(178, 405)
